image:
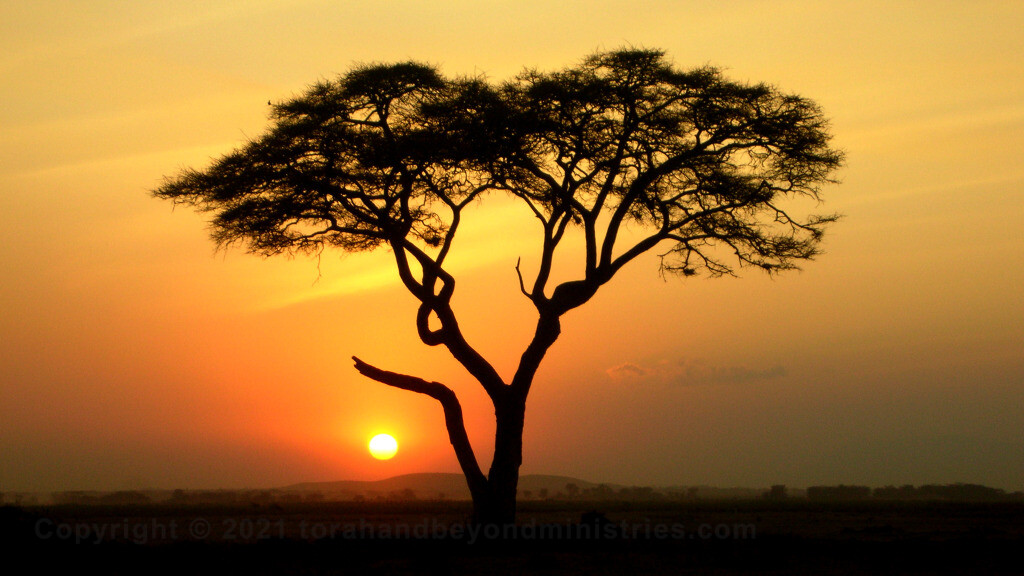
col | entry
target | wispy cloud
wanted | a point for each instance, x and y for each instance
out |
(627, 370)
(690, 372)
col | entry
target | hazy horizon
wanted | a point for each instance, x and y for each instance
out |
(135, 355)
(528, 486)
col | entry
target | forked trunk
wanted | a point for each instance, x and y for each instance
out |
(497, 504)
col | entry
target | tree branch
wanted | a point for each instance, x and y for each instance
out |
(452, 418)
(449, 334)
(522, 285)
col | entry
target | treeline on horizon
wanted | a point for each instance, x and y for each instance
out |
(946, 492)
(958, 492)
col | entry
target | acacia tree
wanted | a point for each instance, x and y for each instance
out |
(390, 155)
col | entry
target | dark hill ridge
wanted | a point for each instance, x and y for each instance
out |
(450, 486)
(436, 485)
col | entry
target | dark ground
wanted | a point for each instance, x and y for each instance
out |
(713, 537)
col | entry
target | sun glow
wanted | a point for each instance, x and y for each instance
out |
(383, 446)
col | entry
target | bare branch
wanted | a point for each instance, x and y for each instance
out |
(452, 417)
(522, 285)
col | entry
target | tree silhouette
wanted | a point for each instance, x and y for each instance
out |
(390, 155)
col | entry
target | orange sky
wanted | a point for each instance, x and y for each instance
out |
(135, 356)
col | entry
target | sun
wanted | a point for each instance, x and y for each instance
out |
(383, 446)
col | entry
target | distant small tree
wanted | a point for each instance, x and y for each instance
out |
(391, 156)
(572, 490)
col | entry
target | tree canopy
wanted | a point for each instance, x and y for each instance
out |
(390, 155)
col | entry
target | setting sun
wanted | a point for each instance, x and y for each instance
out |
(383, 446)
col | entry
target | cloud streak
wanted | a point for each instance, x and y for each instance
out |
(690, 372)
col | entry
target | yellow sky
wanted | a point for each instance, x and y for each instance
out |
(134, 356)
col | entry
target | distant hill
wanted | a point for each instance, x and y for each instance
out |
(432, 486)
(447, 486)
(423, 485)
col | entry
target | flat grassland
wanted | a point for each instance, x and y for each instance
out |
(792, 536)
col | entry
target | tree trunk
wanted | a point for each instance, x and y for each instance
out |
(498, 504)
